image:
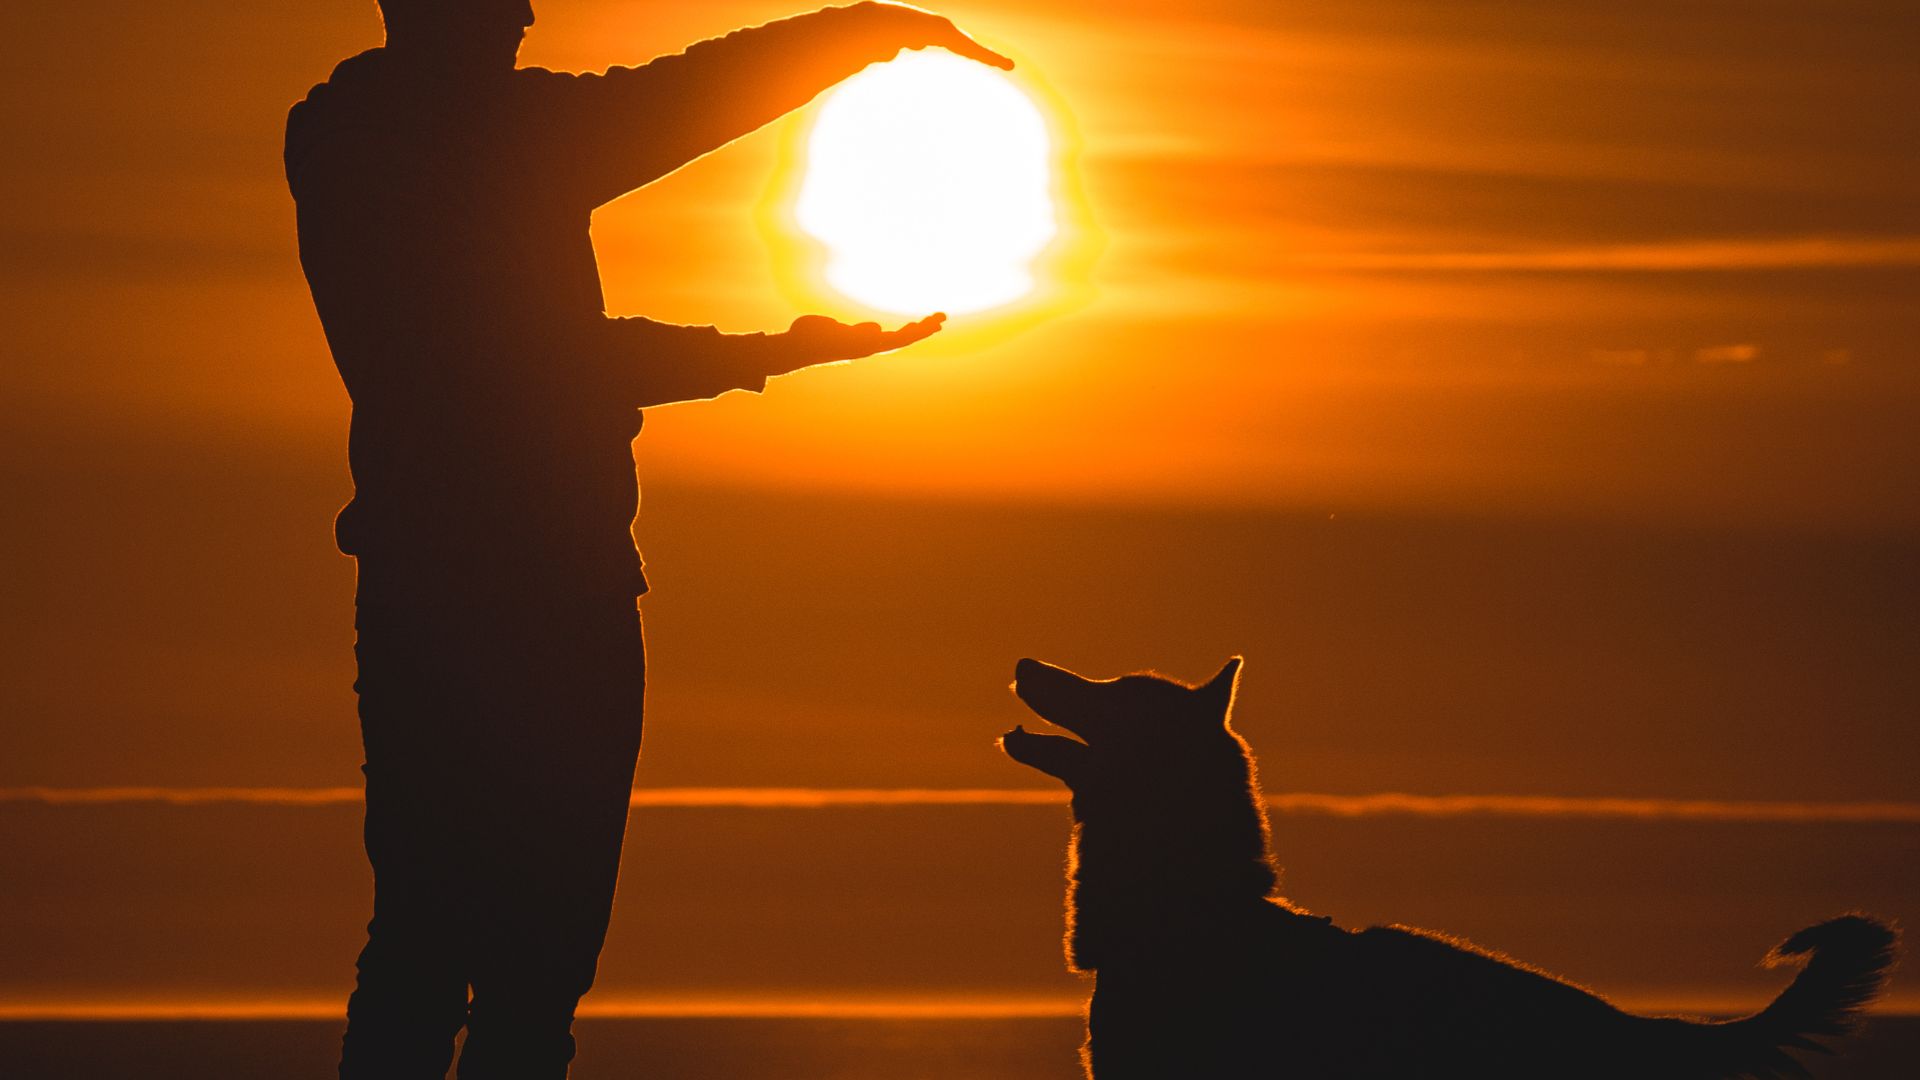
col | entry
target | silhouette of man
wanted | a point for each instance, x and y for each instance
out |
(444, 198)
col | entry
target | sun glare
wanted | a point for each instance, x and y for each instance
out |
(927, 180)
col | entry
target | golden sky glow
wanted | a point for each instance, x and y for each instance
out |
(1527, 389)
(1400, 257)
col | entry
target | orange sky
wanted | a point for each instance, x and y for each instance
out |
(1353, 254)
(1528, 390)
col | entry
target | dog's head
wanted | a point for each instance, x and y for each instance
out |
(1137, 733)
(1166, 808)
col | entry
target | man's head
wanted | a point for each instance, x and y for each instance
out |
(460, 33)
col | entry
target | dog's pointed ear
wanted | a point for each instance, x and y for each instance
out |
(1218, 692)
(1062, 758)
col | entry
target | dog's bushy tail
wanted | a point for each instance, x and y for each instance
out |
(1847, 961)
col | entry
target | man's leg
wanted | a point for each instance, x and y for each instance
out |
(411, 995)
(546, 846)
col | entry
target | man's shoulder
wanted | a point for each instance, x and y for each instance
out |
(345, 91)
(355, 75)
(352, 99)
(539, 76)
(539, 84)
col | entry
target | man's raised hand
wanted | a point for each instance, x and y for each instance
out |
(816, 339)
(921, 29)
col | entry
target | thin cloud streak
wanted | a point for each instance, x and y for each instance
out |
(1599, 808)
(781, 798)
(615, 1006)
(752, 1007)
(180, 796)
(1765, 254)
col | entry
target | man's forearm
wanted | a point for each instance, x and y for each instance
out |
(658, 363)
(636, 124)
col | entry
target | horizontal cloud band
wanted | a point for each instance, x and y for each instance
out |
(781, 798)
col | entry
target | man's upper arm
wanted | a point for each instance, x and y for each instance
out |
(630, 126)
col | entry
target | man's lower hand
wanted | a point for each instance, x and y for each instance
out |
(816, 339)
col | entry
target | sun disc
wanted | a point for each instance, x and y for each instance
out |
(928, 180)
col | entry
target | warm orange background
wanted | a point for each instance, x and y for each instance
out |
(1528, 390)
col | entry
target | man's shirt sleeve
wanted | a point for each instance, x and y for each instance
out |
(630, 126)
(658, 363)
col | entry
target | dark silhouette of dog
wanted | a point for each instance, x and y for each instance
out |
(1203, 971)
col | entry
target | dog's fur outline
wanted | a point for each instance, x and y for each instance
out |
(1202, 970)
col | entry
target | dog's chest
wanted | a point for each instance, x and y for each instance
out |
(1254, 1000)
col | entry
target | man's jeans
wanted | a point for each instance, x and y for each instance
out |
(501, 739)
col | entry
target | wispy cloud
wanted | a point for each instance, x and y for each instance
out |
(1631, 809)
(746, 798)
(604, 1006)
(1756, 254)
(748, 1006)
(180, 796)
(801, 798)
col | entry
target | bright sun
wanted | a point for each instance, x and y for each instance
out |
(927, 179)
